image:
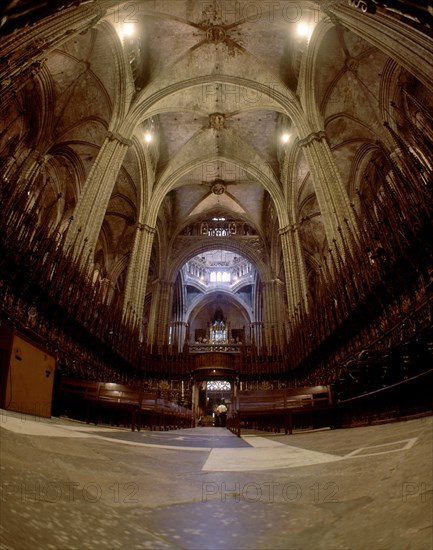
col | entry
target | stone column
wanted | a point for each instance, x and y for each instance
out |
(267, 314)
(407, 45)
(136, 280)
(179, 335)
(195, 398)
(164, 310)
(294, 267)
(256, 332)
(330, 191)
(274, 314)
(159, 318)
(92, 204)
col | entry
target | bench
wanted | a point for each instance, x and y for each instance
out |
(274, 410)
(186, 418)
(76, 397)
(148, 410)
(120, 403)
(170, 415)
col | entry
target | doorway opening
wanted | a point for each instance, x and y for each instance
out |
(213, 393)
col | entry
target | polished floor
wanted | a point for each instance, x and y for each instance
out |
(70, 486)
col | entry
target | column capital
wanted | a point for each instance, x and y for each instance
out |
(147, 228)
(273, 282)
(291, 228)
(314, 136)
(115, 136)
(162, 283)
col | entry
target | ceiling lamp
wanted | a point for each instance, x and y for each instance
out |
(304, 30)
(147, 137)
(285, 137)
(128, 29)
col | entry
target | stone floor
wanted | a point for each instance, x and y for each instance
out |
(66, 485)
